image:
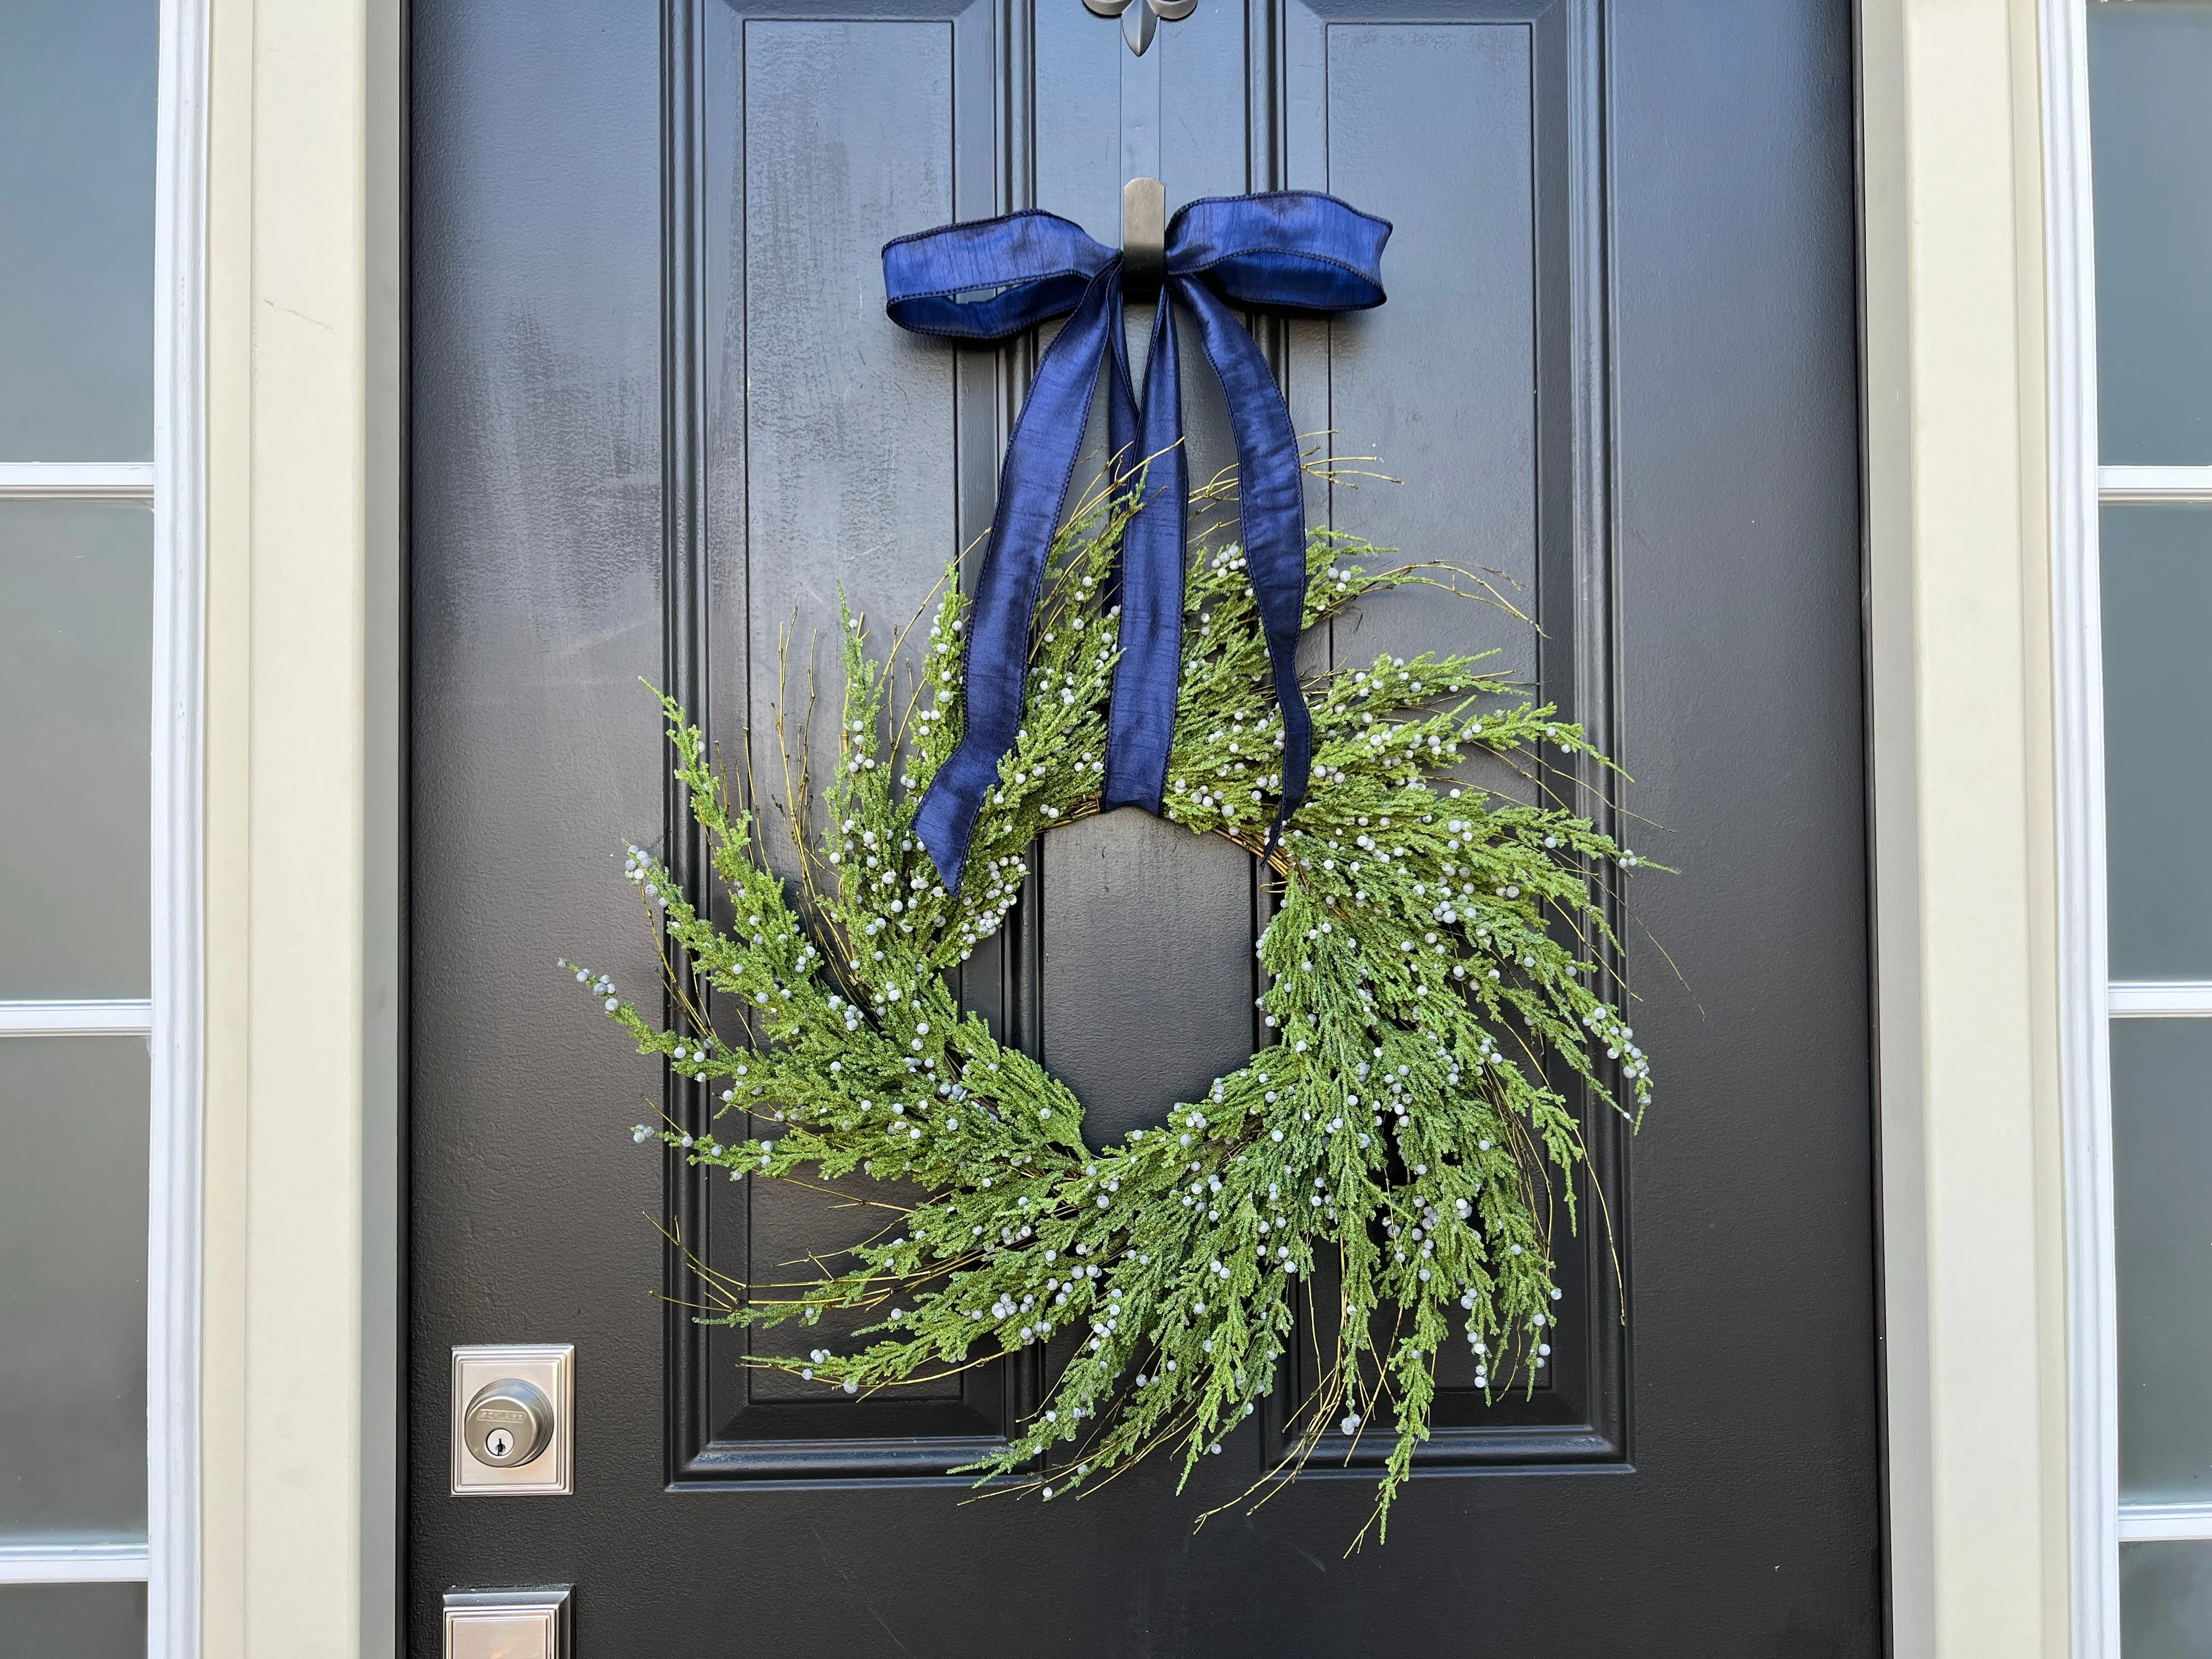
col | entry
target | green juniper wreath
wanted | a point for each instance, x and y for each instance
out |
(1431, 946)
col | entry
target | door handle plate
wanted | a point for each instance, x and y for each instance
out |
(509, 1623)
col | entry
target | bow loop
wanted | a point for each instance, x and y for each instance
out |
(1287, 250)
(992, 280)
(1021, 270)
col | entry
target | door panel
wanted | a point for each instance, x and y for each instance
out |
(831, 467)
(1430, 125)
(660, 424)
(819, 141)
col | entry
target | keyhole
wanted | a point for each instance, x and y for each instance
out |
(499, 1442)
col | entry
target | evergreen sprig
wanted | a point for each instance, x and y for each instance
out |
(1433, 945)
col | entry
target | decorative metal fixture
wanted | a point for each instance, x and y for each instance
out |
(1140, 19)
(512, 1624)
(1144, 238)
(513, 1432)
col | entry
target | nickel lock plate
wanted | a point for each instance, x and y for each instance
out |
(512, 1419)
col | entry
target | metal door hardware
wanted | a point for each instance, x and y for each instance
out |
(1140, 19)
(509, 1624)
(507, 1423)
(512, 1413)
(1144, 237)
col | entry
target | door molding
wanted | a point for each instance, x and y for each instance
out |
(174, 1287)
(2086, 1004)
(1582, 1420)
(1973, 1158)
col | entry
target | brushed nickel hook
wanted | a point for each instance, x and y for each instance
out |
(1144, 237)
(1140, 19)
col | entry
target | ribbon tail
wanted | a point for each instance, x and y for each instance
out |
(1124, 441)
(1140, 719)
(1122, 436)
(1032, 490)
(1271, 502)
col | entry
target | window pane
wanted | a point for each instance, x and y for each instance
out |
(73, 1621)
(2150, 61)
(77, 229)
(72, 1289)
(2162, 1180)
(2158, 737)
(2165, 1601)
(76, 640)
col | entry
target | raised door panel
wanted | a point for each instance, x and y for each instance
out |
(1145, 975)
(1475, 393)
(841, 460)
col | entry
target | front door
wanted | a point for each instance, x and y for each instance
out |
(659, 418)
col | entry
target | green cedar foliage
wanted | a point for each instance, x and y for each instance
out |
(1429, 1002)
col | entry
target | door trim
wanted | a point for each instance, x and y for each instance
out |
(2086, 998)
(174, 1287)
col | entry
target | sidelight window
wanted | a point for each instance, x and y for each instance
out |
(97, 940)
(2132, 226)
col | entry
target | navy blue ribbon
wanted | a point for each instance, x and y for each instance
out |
(1290, 250)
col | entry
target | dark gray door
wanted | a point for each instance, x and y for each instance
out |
(658, 416)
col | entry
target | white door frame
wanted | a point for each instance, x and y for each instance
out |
(173, 1236)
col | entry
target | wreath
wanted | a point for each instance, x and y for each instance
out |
(1432, 945)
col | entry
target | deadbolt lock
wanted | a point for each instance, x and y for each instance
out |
(507, 1423)
(513, 1419)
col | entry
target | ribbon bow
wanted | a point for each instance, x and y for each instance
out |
(1293, 250)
